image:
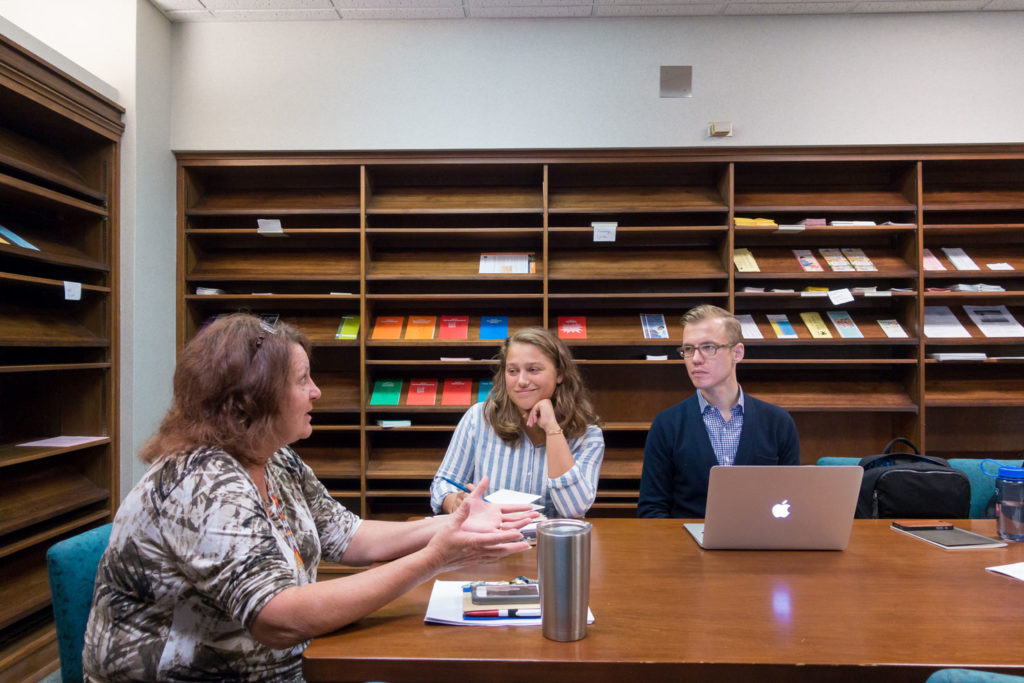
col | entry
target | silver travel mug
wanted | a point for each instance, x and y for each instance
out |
(563, 567)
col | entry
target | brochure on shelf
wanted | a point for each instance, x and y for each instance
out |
(940, 321)
(457, 392)
(845, 325)
(572, 327)
(386, 392)
(494, 327)
(348, 328)
(748, 328)
(507, 263)
(859, 259)
(892, 328)
(453, 327)
(744, 260)
(836, 261)
(388, 327)
(805, 257)
(783, 328)
(995, 321)
(959, 258)
(483, 389)
(930, 261)
(420, 327)
(653, 325)
(815, 325)
(422, 392)
(17, 240)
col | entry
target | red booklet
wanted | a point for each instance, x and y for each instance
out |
(422, 392)
(454, 327)
(457, 392)
(572, 328)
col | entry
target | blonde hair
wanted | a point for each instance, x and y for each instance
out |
(571, 399)
(733, 329)
(229, 383)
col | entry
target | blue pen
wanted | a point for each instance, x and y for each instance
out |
(456, 484)
(460, 486)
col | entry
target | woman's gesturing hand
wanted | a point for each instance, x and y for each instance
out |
(479, 532)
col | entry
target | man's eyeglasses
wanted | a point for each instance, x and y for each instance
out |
(707, 350)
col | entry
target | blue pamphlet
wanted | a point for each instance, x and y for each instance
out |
(494, 327)
(484, 389)
(17, 240)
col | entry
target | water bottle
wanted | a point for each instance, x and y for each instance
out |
(1009, 501)
(563, 567)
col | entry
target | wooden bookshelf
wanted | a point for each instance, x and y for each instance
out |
(59, 155)
(425, 218)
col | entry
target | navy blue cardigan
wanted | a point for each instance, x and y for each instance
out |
(678, 456)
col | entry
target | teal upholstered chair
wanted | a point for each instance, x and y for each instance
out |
(983, 487)
(72, 566)
(970, 676)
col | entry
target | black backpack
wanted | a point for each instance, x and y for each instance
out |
(912, 485)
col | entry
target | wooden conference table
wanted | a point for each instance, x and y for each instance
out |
(888, 608)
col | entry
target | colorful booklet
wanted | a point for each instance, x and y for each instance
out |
(783, 328)
(457, 392)
(858, 259)
(494, 327)
(422, 392)
(388, 327)
(348, 328)
(807, 260)
(745, 262)
(836, 261)
(508, 263)
(386, 392)
(654, 326)
(752, 222)
(453, 327)
(572, 328)
(420, 327)
(815, 325)
(484, 389)
(844, 323)
(20, 241)
(892, 328)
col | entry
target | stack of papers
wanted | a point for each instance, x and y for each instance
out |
(445, 607)
(939, 321)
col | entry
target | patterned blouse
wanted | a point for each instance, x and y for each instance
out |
(194, 556)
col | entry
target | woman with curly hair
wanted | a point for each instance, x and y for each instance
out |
(535, 433)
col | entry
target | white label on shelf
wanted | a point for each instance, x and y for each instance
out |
(604, 232)
(875, 292)
(269, 226)
(999, 266)
(840, 296)
(72, 291)
(813, 293)
(653, 357)
(790, 228)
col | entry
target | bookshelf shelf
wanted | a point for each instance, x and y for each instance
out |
(415, 250)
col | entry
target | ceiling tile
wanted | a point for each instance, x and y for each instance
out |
(404, 13)
(525, 3)
(676, 10)
(396, 4)
(266, 4)
(173, 5)
(532, 12)
(789, 7)
(190, 15)
(276, 15)
(1009, 5)
(920, 6)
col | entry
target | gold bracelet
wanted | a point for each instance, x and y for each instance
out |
(553, 433)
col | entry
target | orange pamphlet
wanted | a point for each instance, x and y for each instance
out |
(388, 327)
(457, 392)
(420, 327)
(422, 392)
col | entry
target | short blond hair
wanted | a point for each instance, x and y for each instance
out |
(733, 329)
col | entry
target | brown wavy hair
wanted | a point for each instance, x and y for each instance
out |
(229, 383)
(571, 399)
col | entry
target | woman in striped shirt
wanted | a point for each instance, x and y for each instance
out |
(536, 432)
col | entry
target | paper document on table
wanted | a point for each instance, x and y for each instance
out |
(445, 607)
(1015, 570)
(510, 497)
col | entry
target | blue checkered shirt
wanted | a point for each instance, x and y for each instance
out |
(725, 436)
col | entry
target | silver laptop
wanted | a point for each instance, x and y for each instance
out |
(779, 508)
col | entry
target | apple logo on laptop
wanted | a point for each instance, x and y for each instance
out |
(781, 510)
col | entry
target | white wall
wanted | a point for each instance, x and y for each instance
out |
(126, 44)
(808, 80)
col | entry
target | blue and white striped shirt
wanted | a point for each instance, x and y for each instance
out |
(476, 450)
(725, 436)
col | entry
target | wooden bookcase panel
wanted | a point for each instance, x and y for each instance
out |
(32, 495)
(415, 250)
(26, 587)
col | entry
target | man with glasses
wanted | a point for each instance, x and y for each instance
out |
(718, 425)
